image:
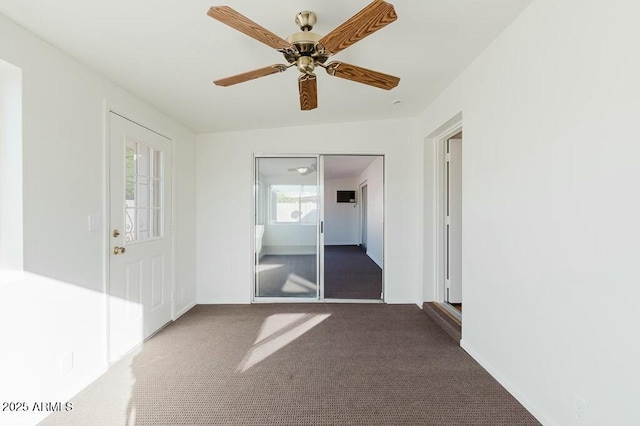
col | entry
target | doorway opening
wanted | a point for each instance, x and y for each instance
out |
(353, 244)
(317, 237)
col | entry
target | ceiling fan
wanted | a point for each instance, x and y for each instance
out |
(308, 50)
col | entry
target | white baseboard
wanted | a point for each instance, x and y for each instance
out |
(376, 260)
(184, 310)
(224, 302)
(507, 384)
(287, 250)
(400, 301)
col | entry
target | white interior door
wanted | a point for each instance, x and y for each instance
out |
(140, 234)
(453, 223)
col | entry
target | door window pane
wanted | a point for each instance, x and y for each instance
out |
(143, 160)
(143, 195)
(157, 164)
(156, 192)
(130, 167)
(157, 222)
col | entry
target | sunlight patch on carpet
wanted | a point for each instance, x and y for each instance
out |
(297, 284)
(278, 331)
(267, 267)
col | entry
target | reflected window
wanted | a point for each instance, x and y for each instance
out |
(294, 204)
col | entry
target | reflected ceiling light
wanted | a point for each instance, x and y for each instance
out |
(302, 170)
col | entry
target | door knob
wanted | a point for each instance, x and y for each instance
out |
(116, 233)
(119, 250)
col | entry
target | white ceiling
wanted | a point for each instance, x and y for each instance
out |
(168, 52)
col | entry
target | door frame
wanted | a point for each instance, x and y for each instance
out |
(362, 209)
(438, 140)
(254, 281)
(320, 239)
(108, 108)
(449, 164)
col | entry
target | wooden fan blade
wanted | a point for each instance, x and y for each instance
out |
(308, 87)
(376, 15)
(230, 17)
(241, 78)
(362, 75)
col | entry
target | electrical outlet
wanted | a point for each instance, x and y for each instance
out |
(581, 410)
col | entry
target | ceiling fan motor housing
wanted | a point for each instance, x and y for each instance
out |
(305, 43)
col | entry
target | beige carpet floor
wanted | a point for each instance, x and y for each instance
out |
(312, 364)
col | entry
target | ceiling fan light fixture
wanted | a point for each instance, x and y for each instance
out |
(302, 170)
(306, 64)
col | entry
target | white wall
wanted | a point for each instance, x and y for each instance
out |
(551, 208)
(64, 159)
(10, 166)
(374, 177)
(224, 234)
(290, 239)
(340, 219)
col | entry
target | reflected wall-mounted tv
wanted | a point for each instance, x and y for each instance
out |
(346, 196)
